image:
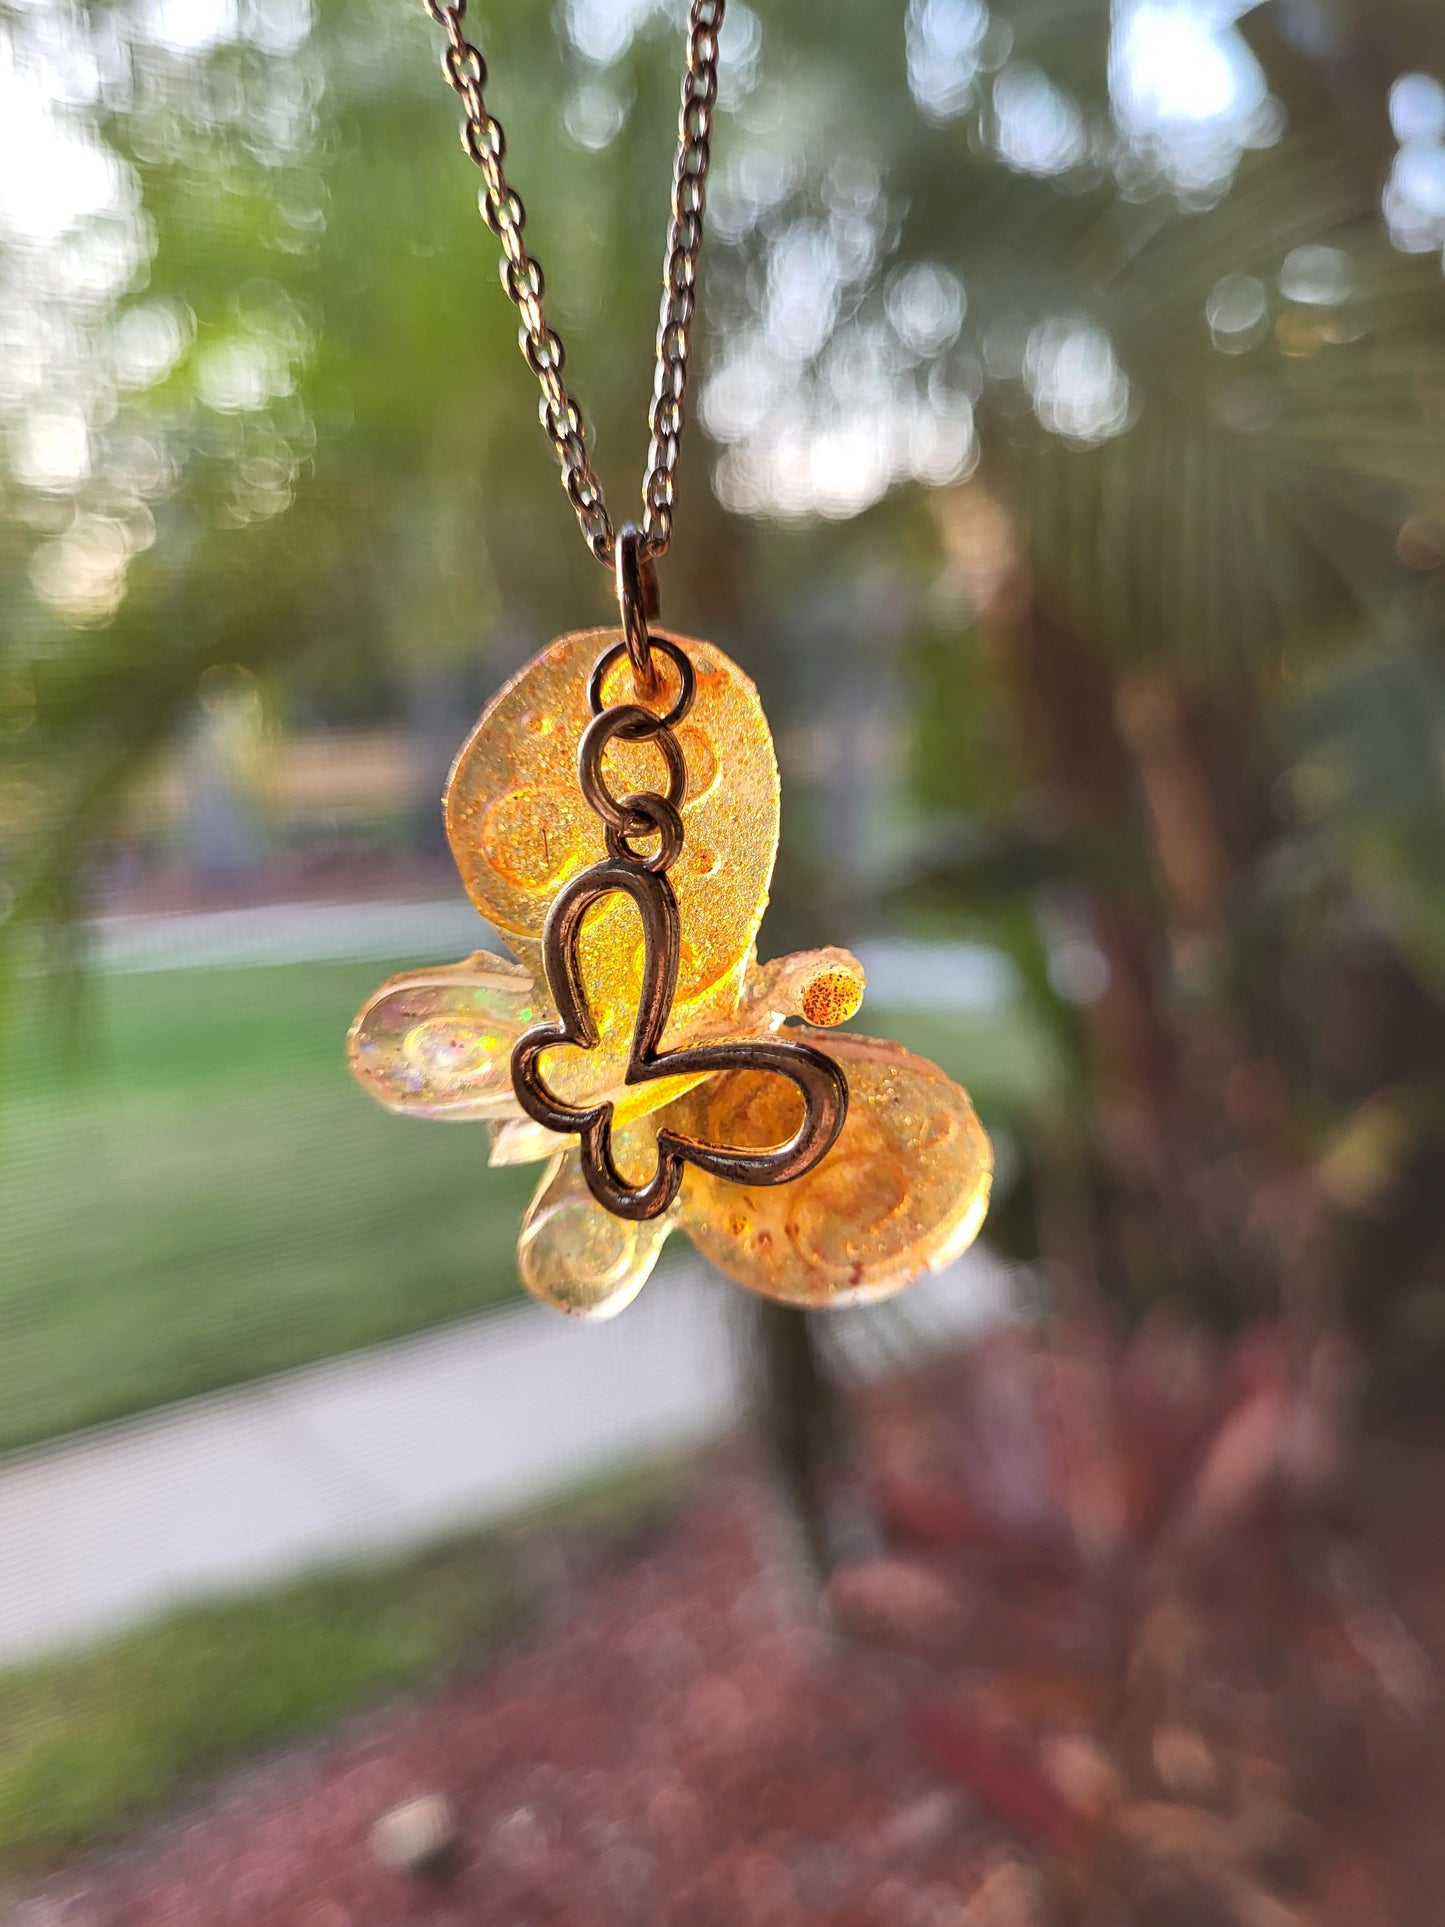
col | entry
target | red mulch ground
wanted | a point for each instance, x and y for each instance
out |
(685, 1748)
(1158, 1642)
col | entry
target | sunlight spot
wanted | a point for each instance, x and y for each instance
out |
(1317, 275)
(188, 26)
(944, 43)
(52, 449)
(1187, 92)
(1237, 311)
(603, 30)
(1040, 130)
(147, 341)
(925, 304)
(1078, 388)
(594, 114)
(1417, 108)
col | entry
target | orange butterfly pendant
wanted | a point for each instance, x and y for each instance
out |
(643, 1028)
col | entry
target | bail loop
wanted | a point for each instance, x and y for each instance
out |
(637, 601)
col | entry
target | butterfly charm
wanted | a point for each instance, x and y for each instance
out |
(681, 1103)
(821, 1084)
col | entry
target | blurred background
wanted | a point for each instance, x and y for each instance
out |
(1067, 464)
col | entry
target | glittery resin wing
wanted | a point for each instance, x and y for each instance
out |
(578, 1257)
(519, 828)
(903, 1191)
(437, 1043)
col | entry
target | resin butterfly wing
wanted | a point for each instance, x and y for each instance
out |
(438, 1042)
(519, 829)
(903, 1191)
(578, 1257)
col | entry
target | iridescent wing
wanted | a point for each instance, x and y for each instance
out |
(574, 1255)
(519, 828)
(903, 1191)
(437, 1043)
(521, 1140)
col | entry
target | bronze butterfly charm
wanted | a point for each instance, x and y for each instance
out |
(822, 1084)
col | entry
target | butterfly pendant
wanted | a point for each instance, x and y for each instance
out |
(659, 1043)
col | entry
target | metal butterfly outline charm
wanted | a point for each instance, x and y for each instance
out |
(823, 1087)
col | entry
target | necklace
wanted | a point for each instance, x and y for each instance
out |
(615, 815)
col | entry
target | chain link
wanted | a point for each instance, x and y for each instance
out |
(502, 209)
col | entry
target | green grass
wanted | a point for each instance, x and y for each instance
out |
(92, 1745)
(193, 1192)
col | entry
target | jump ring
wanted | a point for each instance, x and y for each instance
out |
(633, 724)
(676, 655)
(661, 815)
(637, 601)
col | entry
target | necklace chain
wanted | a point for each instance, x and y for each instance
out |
(541, 345)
